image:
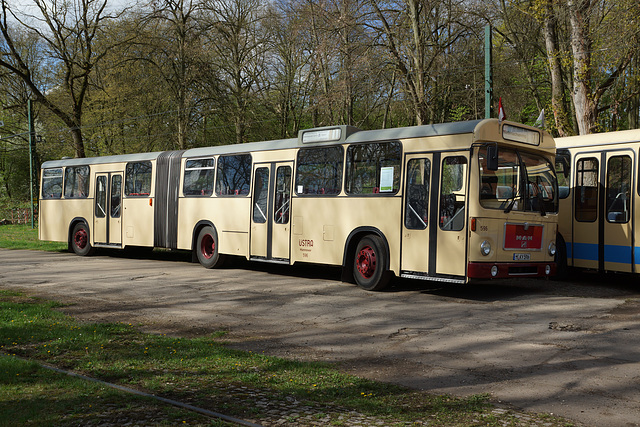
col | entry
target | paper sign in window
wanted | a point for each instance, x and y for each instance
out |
(386, 179)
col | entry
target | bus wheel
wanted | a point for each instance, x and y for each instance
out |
(369, 265)
(80, 240)
(207, 248)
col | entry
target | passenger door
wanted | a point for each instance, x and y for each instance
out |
(107, 218)
(270, 212)
(618, 221)
(451, 236)
(415, 224)
(603, 220)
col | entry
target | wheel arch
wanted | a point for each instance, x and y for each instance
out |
(72, 224)
(194, 236)
(350, 246)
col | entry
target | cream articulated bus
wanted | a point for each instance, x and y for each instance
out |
(598, 194)
(448, 202)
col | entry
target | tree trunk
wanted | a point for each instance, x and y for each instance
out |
(558, 105)
(586, 111)
(78, 144)
(633, 113)
(422, 114)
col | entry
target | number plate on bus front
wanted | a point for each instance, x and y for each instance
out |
(521, 257)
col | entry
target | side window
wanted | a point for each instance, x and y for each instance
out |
(76, 182)
(52, 183)
(586, 188)
(261, 195)
(417, 194)
(116, 195)
(101, 197)
(234, 175)
(198, 177)
(138, 179)
(618, 189)
(452, 194)
(319, 170)
(563, 172)
(373, 168)
(283, 195)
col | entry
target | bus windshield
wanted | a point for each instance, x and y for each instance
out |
(524, 182)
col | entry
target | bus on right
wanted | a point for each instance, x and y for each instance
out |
(598, 192)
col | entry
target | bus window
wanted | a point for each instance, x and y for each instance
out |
(417, 197)
(138, 179)
(502, 189)
(198, 177)
(319, 170)
(618, 188)
(498, 187)
(452, 194)
(563, 170)
(586, 204)
(541, 184)
(52, 183)
(234, 175)
(76, 182)
(101, 197)
(373, 168)
(260, 195)
(283, 195)
(116, 195)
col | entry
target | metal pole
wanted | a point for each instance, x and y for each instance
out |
(31, 146)
(488, 73)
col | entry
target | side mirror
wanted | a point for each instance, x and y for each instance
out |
(492, 157)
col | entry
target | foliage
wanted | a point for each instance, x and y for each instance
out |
(177, 75)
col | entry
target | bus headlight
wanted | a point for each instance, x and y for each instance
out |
(485, 248)
(552, 248)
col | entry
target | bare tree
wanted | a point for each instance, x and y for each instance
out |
(588, 18)
(68, 32)
(177, 54)
(419, 35)
(237, 44)
(558, 87)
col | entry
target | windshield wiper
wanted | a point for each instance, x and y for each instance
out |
(513, 201)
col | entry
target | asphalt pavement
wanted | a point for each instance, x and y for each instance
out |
(570, 348)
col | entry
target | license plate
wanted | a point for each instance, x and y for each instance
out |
(521, 257)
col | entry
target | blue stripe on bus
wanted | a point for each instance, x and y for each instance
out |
(621, 254)
(612, 253)
(587, 251)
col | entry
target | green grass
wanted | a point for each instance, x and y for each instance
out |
(24, 237)
(201, 371)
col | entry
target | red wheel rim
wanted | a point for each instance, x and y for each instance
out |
(207, 246)
(80, 238)
(366, 262)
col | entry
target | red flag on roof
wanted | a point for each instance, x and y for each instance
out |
(501, 114)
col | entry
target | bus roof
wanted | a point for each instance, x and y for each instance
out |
(606, 138)
(347, 134)
(100, 160)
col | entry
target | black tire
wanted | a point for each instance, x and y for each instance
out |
(207, 249)
(370, 269)
(80, 241)
(562, 268)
